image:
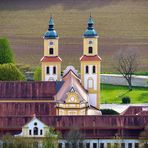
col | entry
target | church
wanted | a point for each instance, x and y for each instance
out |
(29, 108)
(78, 95)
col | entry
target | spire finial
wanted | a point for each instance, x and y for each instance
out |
(90, 14)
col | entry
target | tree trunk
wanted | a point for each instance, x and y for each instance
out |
(129, 84)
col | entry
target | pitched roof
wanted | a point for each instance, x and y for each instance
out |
(135, 110)
(90, 58)
(51, 59)
(71, 80)
(17, 90)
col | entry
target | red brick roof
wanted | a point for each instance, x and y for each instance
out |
(93, 126)
(135, 110)
(27, 90)
(51, 59)
(90, 58)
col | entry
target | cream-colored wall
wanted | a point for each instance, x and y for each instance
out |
(94, 45)
(72, 111)
(58, 70)
(84, 79)
(72, 106)
(54, 46)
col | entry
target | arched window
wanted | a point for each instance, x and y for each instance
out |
(41, 132)
(50, 50)
(86, 69)
(94, 69)
(54, 70)
(35, 131)
(90, 83)
(90, 50)
(47, 70)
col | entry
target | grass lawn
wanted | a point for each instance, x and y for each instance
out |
(114, 94)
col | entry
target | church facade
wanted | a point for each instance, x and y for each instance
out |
(78, 95)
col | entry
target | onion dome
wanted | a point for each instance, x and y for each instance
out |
(90, 31)
(51, 33)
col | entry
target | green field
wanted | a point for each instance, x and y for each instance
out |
(114, 94)
(121, 24)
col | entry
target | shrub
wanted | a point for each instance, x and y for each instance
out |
(37, 74)
(6, 55)
(9, 72)
(108, 112)
(126, 100)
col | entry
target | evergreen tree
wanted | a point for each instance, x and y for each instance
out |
(6, 55)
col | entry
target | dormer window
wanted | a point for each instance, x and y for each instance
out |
(35, 131)
(50, 50)
(50, 43)
(90, 50)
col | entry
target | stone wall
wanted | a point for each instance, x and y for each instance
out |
(119, 80)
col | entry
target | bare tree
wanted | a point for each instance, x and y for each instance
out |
(144, 138)
(127, 66)
(74, 138)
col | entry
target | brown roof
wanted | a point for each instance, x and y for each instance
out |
(90, 58)
(51, 59)
(94, 126)
(27, 108)
(27, 90)
(135, 110)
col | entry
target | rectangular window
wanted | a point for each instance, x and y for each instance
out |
(101, 145)
(94, 145)
(90, 50)
(87, 145)
(41, 132)
(67, 145)
(60, 145)
(80, 145)
(122, 145)
(116, 145)
(136, 145)
(47, 70)
(29, 132)
(108, 145)
(129, 145)
(50, 50)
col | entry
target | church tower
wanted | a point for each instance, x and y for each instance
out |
(51, 62)
(90, 64)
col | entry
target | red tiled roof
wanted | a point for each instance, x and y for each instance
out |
(16, 90)
(134, 110)
(51, 59)
(90, 58)
(106, 126)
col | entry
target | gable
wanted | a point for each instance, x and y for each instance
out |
(72, 97)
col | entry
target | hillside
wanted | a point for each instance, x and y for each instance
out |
(121, 25)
